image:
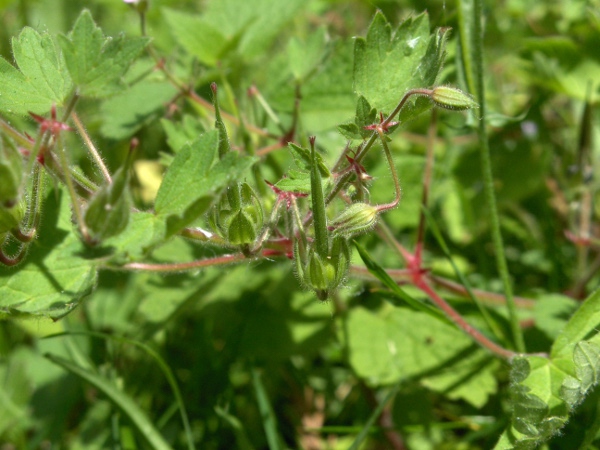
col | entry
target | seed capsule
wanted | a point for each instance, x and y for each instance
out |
(452, 98)
(356, 218)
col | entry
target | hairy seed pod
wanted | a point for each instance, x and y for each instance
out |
(452, 98)
(355, 219)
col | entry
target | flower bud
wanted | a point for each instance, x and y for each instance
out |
(452, 98)
(356, 218)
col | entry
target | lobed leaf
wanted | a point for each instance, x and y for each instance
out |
(124, 114)
(55, 277)
(388, 63)
(194, 180)
(42, 81)
(582, 325)
(392, 344)
(97, 63)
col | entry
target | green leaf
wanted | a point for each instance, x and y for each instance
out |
(388, 63)
(193, 181)
(295, 181)
(54, 278)
(304, 56)
(197, 36)
(144, 231)
(42, 81)
(552, 312)
(182, 132)
(364, 432)
(392, 344)
(302, 158)
(539, 410)
(473, 380)
(97, 63)
(251, 26)
(365, 116)
(582, 325)
(327, 95)
(586, 358)
(126, 113)
(144, 426)
(11, 173)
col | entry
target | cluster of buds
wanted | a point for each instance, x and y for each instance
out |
(323, 274)
(238, 217)
(322, 263)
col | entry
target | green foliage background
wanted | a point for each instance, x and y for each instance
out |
(256, 360)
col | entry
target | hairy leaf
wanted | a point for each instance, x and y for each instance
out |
(42, 81)
(54, 277)
(388, 63)
(193, 181)
(97, 63)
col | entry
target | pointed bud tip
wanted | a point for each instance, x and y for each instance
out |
(213, 87)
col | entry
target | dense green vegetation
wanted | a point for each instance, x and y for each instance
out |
(304, 224)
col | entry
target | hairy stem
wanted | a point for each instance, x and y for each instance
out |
(488, 179)
(91, 147)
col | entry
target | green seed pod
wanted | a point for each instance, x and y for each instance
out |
(355, 219)
(324, 275)
(340, 258)
(320, 274)
(11, 174)
(241, 229)
(252, 204)
(238, 217)
(452, 98)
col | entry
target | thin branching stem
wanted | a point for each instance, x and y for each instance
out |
(91, 147)
(453, 315)
(190, 265)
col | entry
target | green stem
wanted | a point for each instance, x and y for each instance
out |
(486, 167)
(390, 160)
(91, 147)
(78, 213)
(343, 180)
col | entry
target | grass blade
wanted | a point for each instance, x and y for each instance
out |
(120, 399)
(161, 363)
(266, 412)
(374, 415)
(243, 443)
